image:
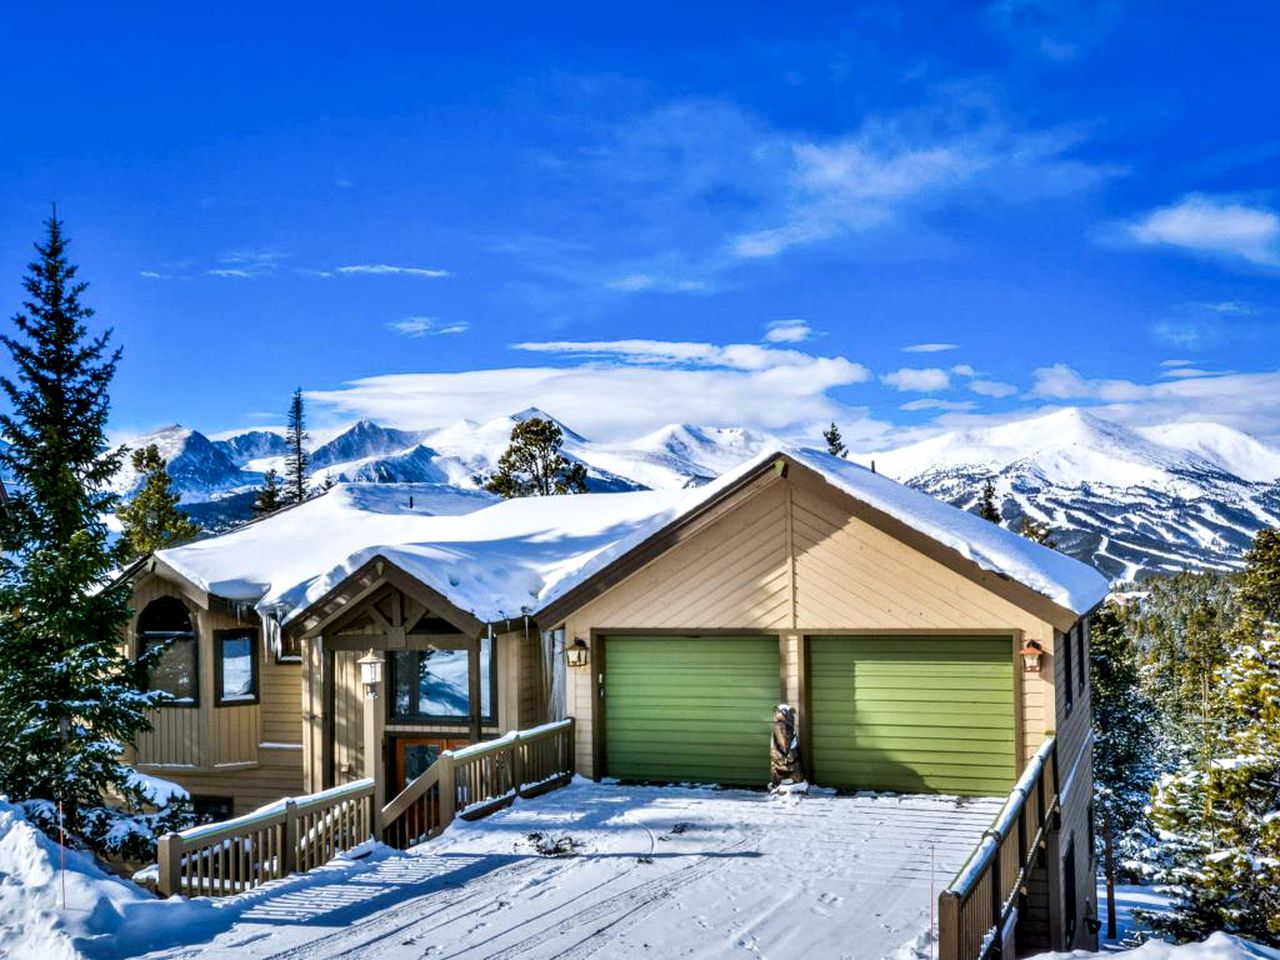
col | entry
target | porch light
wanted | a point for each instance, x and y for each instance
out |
(576, 654)
(1032, 654)
(370, 674)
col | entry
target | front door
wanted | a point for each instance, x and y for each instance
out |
(415, 754)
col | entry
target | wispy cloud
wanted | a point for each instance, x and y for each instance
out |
(657, 283)
(933, 403)
(248, 264)
(917, 379)
(388, 270)
(788, 331)
(964, 370)
(423, 326)
(1215, 225)
(782, 391)
(992, 388)
(155, 275)
(930, 347)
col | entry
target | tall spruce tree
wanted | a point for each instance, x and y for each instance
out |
(298, 458)
(270, 496)
(1124, 767)
(835, 443)
(70, 697)
(152, 520)
(987, 507)
(533, 465)
(1259, 593)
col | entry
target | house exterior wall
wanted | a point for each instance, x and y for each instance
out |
(250, 753)
(797, 558)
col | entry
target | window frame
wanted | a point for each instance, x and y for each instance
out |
(144, 639)
(1070, 893)
(290, 658)
(1068, 682)
(220, 637)
(423, 719)
(1082, 660)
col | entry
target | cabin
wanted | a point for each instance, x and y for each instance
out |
(925, 649)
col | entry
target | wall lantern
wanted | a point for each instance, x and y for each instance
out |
(575, 655)
(1032, 654)
(370, 674)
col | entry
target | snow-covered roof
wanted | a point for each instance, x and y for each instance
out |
(499, 561)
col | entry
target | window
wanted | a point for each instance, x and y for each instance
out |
(1069, 893)
(235, 667)
(167, 623)
(1068, 684)
(435, 684)
(289, 649)
(1082, 653)
(211, 809)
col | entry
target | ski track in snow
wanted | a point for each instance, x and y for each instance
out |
(659, 872)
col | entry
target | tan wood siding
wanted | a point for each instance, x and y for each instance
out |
(348, 718)
(794, 557)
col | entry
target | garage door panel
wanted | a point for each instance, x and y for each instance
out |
(913, 713)
(694, 709)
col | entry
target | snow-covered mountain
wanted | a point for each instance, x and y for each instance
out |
(1130, 501)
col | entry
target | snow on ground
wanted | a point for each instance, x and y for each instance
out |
(102, 911)
(1219, 946)
(1128, 899)
(644, 872)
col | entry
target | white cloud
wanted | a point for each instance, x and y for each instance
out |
(1209, 224)
(1241, 400)
(1175, 372)
(964, 370)
(1176, 363)
(248, 264)
(917, 379)
(387, 270)
(154, 275)
(232, 272)
(657, 283)
(421, 326)
(992, 388)
(1230, 306)
(619, 389)
(932, 403)
(787, 331)
(930, 347)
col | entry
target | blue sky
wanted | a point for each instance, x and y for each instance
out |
(637, 214)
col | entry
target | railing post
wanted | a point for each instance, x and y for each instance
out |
(448, 791)
(289, 850)
(517, 765)
(169, 856)
(949, 926)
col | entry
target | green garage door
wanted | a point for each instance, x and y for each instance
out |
(697, 709)
(913, 714)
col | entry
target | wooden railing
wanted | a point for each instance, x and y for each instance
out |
(479, 779)
(975, 910)
(221, 859)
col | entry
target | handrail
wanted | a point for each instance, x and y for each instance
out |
(478, 779)
(220, 859)
(977, 905)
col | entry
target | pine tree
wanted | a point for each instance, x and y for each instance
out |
(1040, 532)
(1124, 768)
(1260, 583)
(69, 694)
(987, 507)
(533, 465)
(835, 443)
(152, 520)
(298, 459)
(1217, 814)
(269, 497)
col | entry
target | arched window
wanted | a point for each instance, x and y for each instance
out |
(166, 622)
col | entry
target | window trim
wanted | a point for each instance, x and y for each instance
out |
(1082, 660)
(220, 637)
(1068, 682)
(144, 638)
(294, 659)
(423, 719)
(1070, 894)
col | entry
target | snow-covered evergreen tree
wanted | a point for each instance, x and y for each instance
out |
(270, 496)
(988, 509)
(835, 443)
(152, 520)
(70, 697)
(1124, 766)
(298, 458)
(533, 466)
(1218, 815)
